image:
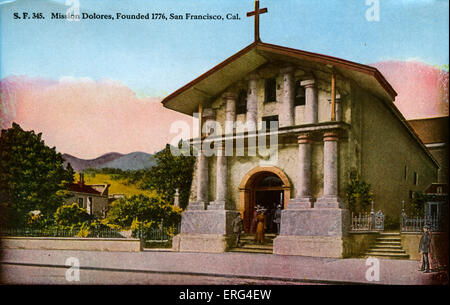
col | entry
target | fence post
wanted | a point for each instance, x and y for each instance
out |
(372, 217)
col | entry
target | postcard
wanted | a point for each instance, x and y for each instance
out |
(221, 143)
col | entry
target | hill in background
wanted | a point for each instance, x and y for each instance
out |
(118, 186)
(131, 161)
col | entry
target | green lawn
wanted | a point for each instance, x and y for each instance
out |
(117, 186)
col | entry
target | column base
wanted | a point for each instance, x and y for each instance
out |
(315, 222)
(205, 231)
(207, 221)
(313, 232)
(198, 205)
(216, 205)
(330, 202)
(301, 203)
(206, 243)
(316, 246)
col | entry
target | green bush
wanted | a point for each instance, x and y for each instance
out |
(72, 215)
(143, 210)
(359, 195)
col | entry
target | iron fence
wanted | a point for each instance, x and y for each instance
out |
(57, 232)
(155, 235)
(416, 224)
(367, 221)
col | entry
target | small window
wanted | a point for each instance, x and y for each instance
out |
(439, 190)
(416, 178)
(411, 194)
(80, 202)
(241, 107)
(300, 98)
(270, 90)
(271, 121)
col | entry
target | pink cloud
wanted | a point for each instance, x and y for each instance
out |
(89, 118)
(422, 89)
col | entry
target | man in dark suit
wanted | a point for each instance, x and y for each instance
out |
(424, 248)
(237, 228)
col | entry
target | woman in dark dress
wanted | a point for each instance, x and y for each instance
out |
(260, 227)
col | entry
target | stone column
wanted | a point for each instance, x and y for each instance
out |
(338, 108)
(303, 198)
(311, 101)
(252, 102)
(330, 197)
(202, 182)
(221, 180)
(209, 123)
(230, 112)
(287, 106)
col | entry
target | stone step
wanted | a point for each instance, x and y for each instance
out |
(262, 251)
(387, 246)
(257, 246)
(390, 234)
(268, 236)
(387, 255)
(386, 250)
(389, 239)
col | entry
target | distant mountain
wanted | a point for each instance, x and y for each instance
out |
(131, 161)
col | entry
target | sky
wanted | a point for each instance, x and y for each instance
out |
(94, 86)
(157, 57)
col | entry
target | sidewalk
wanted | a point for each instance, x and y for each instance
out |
(239, 265)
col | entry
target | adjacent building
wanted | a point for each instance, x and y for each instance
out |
(92, 197)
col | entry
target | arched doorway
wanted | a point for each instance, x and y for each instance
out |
(266, 186)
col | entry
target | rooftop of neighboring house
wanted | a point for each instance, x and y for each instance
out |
(92, 189)
(431, 130)
(437, 189)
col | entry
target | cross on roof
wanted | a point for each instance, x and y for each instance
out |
(256, 13)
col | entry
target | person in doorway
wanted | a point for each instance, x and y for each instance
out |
(237, 228)
(424, 249)
(255, 213)
(277, 218)
(261, 224)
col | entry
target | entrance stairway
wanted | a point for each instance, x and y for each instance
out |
(388, 245)
(247, 244)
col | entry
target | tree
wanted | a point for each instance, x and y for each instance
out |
(32, 175)
(169, 173)
(148, 210)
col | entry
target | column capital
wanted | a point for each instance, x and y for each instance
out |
(208, 113)
(287, 69)
(308, 83)
(331, 136)
(253, 76)
(304, 138)
(230, 95)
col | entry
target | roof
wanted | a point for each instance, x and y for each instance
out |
(83, 188)
(431, 130)
(433, 189)
(216, 80)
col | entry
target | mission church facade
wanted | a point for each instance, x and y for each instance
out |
(333, 117)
